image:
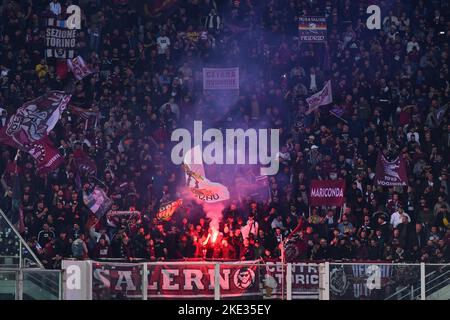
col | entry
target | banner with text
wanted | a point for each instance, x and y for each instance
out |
(304, 277)
(391, 173)
(60, 42)
(174, 280)
(312, 29)
(220, 78)
(321, 98)
(327, 193)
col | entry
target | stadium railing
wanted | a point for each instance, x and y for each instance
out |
(256, 280)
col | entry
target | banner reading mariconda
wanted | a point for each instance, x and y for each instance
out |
(327, 193)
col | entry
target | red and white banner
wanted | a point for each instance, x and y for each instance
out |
(390, 173)
(321, 98)
(220, 78)
(78, 67)
(174, 280)
(327, 193)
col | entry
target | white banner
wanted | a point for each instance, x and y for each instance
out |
(198, 184)
(220, 78)
(321, 98)
(77, 282)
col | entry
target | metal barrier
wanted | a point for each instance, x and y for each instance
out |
(256, 280)
(385, 281)
(94, 280)
(191, 280)
(14, 251)
(31, 284)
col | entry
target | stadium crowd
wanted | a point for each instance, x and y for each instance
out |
(390, 85)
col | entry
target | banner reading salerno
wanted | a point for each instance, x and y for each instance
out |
(180, 280)
(220, 78)
(312, 29)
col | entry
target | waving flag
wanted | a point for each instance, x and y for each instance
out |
(78, 67)
(45, 155)
(85, 165)
(391, 173)
(97, 201)
(90, 117)
(36, 118)
(198, 184)
(167, 210)
(321, 98)
(28, 129)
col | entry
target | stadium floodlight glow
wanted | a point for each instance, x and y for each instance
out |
(233, 151)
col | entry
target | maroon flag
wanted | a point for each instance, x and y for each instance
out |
(44, 154)
(327, 193)
(85, 165)
(78, 67)
(36, 118)
(391, 173)
(90, 117)
(28, 129)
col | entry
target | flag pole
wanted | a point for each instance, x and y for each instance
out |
(17, 155)
(342, 119)
(100, 181)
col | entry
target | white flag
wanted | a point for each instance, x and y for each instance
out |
(196, 181)
(320, 98)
